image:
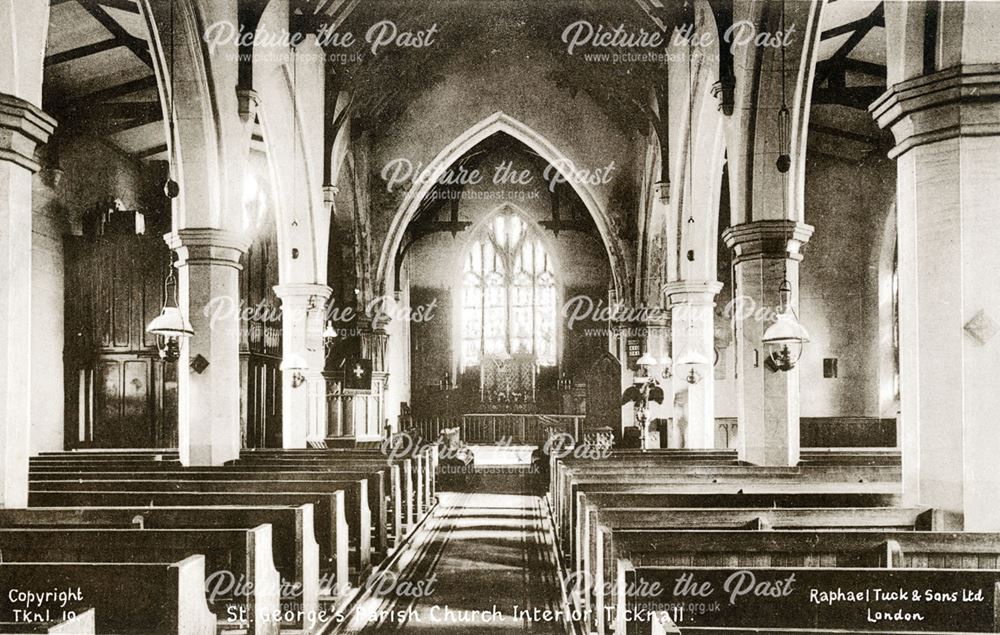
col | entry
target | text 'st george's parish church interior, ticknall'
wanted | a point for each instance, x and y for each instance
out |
(499, 316)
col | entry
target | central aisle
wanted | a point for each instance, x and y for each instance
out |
(488, 562)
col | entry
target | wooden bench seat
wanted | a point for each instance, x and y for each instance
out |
(858, 549)
(355, 493)
(589, 502)
(418, 482)
(600, 471)
(963, 601)
(293, 546)
(734, 487)
(384, 494)
(330, 525)
(377, 498)
(231, 555)
(127, 598)
(592, 548)
(628, 479)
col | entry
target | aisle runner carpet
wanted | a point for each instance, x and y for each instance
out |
(491, 557)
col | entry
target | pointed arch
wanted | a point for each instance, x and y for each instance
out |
(498, 122)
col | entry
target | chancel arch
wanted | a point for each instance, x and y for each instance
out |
(497, 123)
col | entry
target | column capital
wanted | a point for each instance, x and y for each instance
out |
(767, 239)
(963, 100)
(207, 245)
(329, 192)
(23, 127)
(698, 292)
(304, 291)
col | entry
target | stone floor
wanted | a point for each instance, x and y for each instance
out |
(483, 563)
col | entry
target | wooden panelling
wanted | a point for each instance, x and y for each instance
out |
(114, 286)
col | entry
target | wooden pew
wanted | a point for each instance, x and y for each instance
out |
(384, 494)
(950, 601)
(377, 498)
(862, 549)
(293, 545)
(424, 459)
(593, 547)
(134, 459)
(148, 598)
(589, 502)
(599, 521)
(692, 479)
(80, 624)
(330, 519)
(583, 455)
(643, 468)
(418, 470)
(405, 504)
(832, 456)
(355, 494)
(732, 485)
(242, 555)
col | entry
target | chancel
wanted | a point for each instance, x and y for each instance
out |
(564, 316)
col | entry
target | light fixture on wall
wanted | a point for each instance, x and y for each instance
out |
(170, 326)
(329, 338)
(644, 363)
(295, 364)
(667, 371)
(692, 359)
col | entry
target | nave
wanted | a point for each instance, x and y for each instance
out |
(487, 562)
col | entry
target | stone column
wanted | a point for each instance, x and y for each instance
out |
(208, 374)
(23, 126)
(303, 407)
(767, 401)
(947, 129)
(692, 309)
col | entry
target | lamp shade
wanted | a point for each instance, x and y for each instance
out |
(692, 358)
(666, 361)
(328, 331)
(646, 360)
(170, 323)
(784, 339)
(293, 362)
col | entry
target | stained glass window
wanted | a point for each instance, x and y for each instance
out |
(508, 295)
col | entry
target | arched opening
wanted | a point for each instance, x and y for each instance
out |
(507, 282)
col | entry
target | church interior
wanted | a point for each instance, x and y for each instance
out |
(499, 316)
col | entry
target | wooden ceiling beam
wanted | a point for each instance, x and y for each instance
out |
(835, 63)
(128, 6)
(81, 52)
(151, 152)
(853, 25)
(91, 100)
(138, 46)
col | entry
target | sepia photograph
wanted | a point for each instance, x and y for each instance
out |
(487, 317)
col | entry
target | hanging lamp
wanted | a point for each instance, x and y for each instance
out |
(786, 337)
(170, 326)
